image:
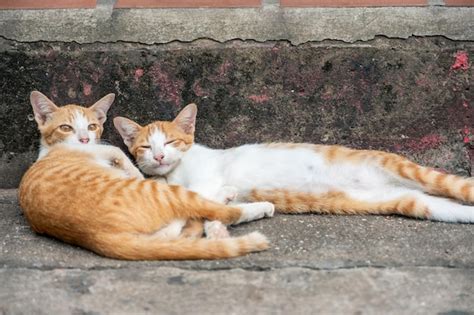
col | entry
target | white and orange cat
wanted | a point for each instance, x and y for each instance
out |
(93, 196)
(297, 178)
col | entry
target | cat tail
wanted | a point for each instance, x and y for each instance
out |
(431, 180)
(397, 201)
(425, 178)
(133, 246)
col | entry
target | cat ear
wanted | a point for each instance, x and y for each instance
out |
(101, 107)
(186, 119)
(128, 129)
(43, 107)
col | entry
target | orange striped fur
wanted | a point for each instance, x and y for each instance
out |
(92, 195)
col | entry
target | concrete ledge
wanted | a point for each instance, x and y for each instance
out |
(268, 23)
(281, 291)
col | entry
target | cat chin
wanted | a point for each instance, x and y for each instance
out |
(160, 170)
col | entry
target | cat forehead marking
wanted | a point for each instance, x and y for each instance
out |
(157, 138)
(80, 120)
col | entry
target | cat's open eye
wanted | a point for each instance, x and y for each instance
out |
(66, 128)
(145, 146)
(92, 127)
(171, 141)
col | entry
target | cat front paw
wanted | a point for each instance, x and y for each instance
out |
(256, 210)
(269, 209)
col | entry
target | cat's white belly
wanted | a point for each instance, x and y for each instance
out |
(259, 167)
(296, 169)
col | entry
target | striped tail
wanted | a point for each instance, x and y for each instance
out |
(132, 246)
(431, 180)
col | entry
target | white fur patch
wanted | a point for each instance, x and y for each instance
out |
(80, 124)
(172, 155)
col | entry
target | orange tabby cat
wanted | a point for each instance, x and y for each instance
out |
(297, 177)
(91, 195)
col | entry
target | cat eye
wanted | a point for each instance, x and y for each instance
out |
(171, 141)
(145, 146)
(66, 128)
(92, 127)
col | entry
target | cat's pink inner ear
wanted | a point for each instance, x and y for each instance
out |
(186, 119)
(102, 106)
(43, 107)
(128, 129)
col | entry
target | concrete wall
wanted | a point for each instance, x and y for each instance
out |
(252, 78)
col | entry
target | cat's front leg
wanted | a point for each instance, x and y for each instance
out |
(118, 159)
(123, 163)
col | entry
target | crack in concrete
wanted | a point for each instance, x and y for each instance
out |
(252, 268)
(327, 41)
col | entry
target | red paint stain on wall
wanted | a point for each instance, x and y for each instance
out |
(170, 87)
(54, 91)
(95, 77)
(198, 90)
(466, 132)
(259, 98)
(427, 142)
(461, 61)
(138, 74)
(86, 89)
(224, 68)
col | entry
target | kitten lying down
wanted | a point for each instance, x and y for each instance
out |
(93, 196)
(297, 177)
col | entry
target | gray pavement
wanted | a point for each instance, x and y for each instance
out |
(317, 264)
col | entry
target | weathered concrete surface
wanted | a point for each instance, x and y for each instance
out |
(279, 291)
(262, 24)
(316, 264)
(397, 95)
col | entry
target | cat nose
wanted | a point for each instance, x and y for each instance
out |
(159, 157)
(84, 140)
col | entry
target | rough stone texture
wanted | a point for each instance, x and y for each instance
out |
(316, 264)
(297, 25)
(279, 291)
(397, 95)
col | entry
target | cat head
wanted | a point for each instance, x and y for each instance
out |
(71, 124)
(158, 147)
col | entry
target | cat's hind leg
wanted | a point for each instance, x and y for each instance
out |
(193, 229)
(402, 201)
(171, 231)
(215, 229)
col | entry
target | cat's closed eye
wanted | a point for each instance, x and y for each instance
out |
(171, 141)
(145, 146)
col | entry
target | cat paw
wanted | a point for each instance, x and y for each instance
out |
(269, 209)
(256, 210)
(215, 229)
(227, 194)
(171, 231)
